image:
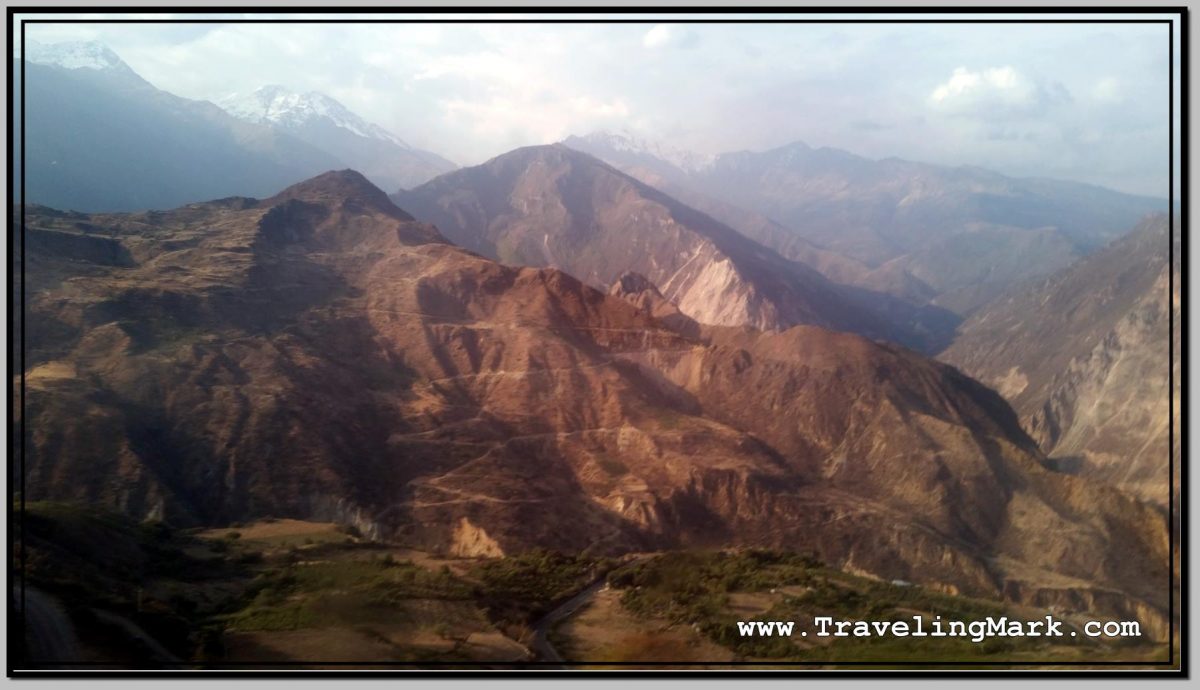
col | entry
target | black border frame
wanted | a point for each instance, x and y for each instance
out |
(597, 14)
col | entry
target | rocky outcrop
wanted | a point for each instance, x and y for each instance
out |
(637, 289)
(470, 541)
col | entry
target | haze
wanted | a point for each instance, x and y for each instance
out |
(1086, 102)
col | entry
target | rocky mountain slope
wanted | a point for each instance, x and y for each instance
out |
(326, 124)
(1084, 359)
(100, 138)
(320, 354)
(954, 237)
(553, 206)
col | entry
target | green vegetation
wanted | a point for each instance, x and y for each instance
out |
(195, 592)
(190, 591)
(863, 598)
(198, 592)
(341, 590)
(696, 589)
(521, 588)
(670, 585)
(693, 588)
(612, 466)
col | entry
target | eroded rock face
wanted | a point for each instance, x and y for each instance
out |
(470, 541)
(1085, 360)
(322, 354)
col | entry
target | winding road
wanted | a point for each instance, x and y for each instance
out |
(541, 643)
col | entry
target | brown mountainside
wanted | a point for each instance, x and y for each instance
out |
(557, 207)
(1083, 357)
(321, 355)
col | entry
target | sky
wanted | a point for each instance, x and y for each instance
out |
(1085, 102)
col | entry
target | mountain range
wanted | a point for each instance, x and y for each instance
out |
(603, 346)
(98, 137)
(955, 237)
(554, 206)
(321, 354)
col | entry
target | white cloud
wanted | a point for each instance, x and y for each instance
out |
(657, 37)
(965, 84)
(996, 92)
(670, 36)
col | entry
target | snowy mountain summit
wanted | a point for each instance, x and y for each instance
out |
(74, 55)
(626, 142)
(277, 105)
(323, 122)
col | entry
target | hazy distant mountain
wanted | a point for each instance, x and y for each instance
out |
(661, 168)
(1083, 357)
(99, 137)
(959, 235)
(321, 355)
(554, 206)
(325, 123)
(629, 149)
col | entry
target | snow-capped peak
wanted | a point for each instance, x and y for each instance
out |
(278, 105)
(74, 55)
(625, 141)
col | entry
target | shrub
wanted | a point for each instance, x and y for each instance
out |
(520, 588)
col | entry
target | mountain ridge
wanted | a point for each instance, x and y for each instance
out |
(554, 206)
(314, 355)
(272, 103)
(897, 225)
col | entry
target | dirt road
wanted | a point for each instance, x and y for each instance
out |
(541, 643)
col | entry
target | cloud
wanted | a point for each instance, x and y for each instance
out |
(996, 92)
(664, 35)
(967, 83)
(1108, 90)
(508, 120)
(657, 37)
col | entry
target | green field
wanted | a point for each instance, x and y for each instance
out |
(290, 590)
